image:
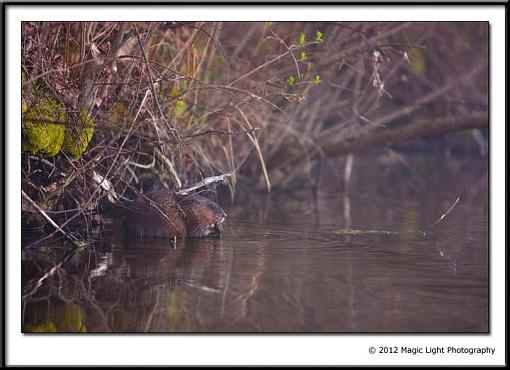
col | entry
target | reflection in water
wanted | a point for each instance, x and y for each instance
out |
(280, 267)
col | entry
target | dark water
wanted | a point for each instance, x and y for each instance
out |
(281, 267)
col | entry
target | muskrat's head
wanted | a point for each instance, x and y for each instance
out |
(202, 216)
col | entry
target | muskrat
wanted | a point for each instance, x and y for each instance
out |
(163, 213)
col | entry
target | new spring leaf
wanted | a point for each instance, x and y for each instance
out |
(318, 36)
(302, 39)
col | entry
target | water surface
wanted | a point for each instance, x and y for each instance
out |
(281, 265)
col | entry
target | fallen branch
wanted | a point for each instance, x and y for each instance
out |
(387, 137)
(414, 130)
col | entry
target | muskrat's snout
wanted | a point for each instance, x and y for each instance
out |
(218, 225)
(216, 228)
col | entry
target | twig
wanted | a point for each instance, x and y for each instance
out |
(170, 166)
(255, 142)
(220, 132)
(153, 88)
(446, 213)
(259, 67)
(204, 182)
(288, 49)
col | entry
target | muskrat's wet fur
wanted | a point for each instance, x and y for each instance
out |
(162, 213)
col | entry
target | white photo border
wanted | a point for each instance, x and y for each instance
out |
(246, 349)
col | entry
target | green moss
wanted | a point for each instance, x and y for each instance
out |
(41, 137)
(77, 138)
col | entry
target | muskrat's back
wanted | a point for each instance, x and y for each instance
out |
(162, 213)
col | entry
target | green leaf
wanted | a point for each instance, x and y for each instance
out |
(291, 80)
(318, 36)
(302, 39)
(303, 56)
(180, 107)
(317, 79)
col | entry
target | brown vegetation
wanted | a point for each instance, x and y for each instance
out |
(178, 102)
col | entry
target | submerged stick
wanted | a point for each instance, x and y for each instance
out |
(358, 232)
